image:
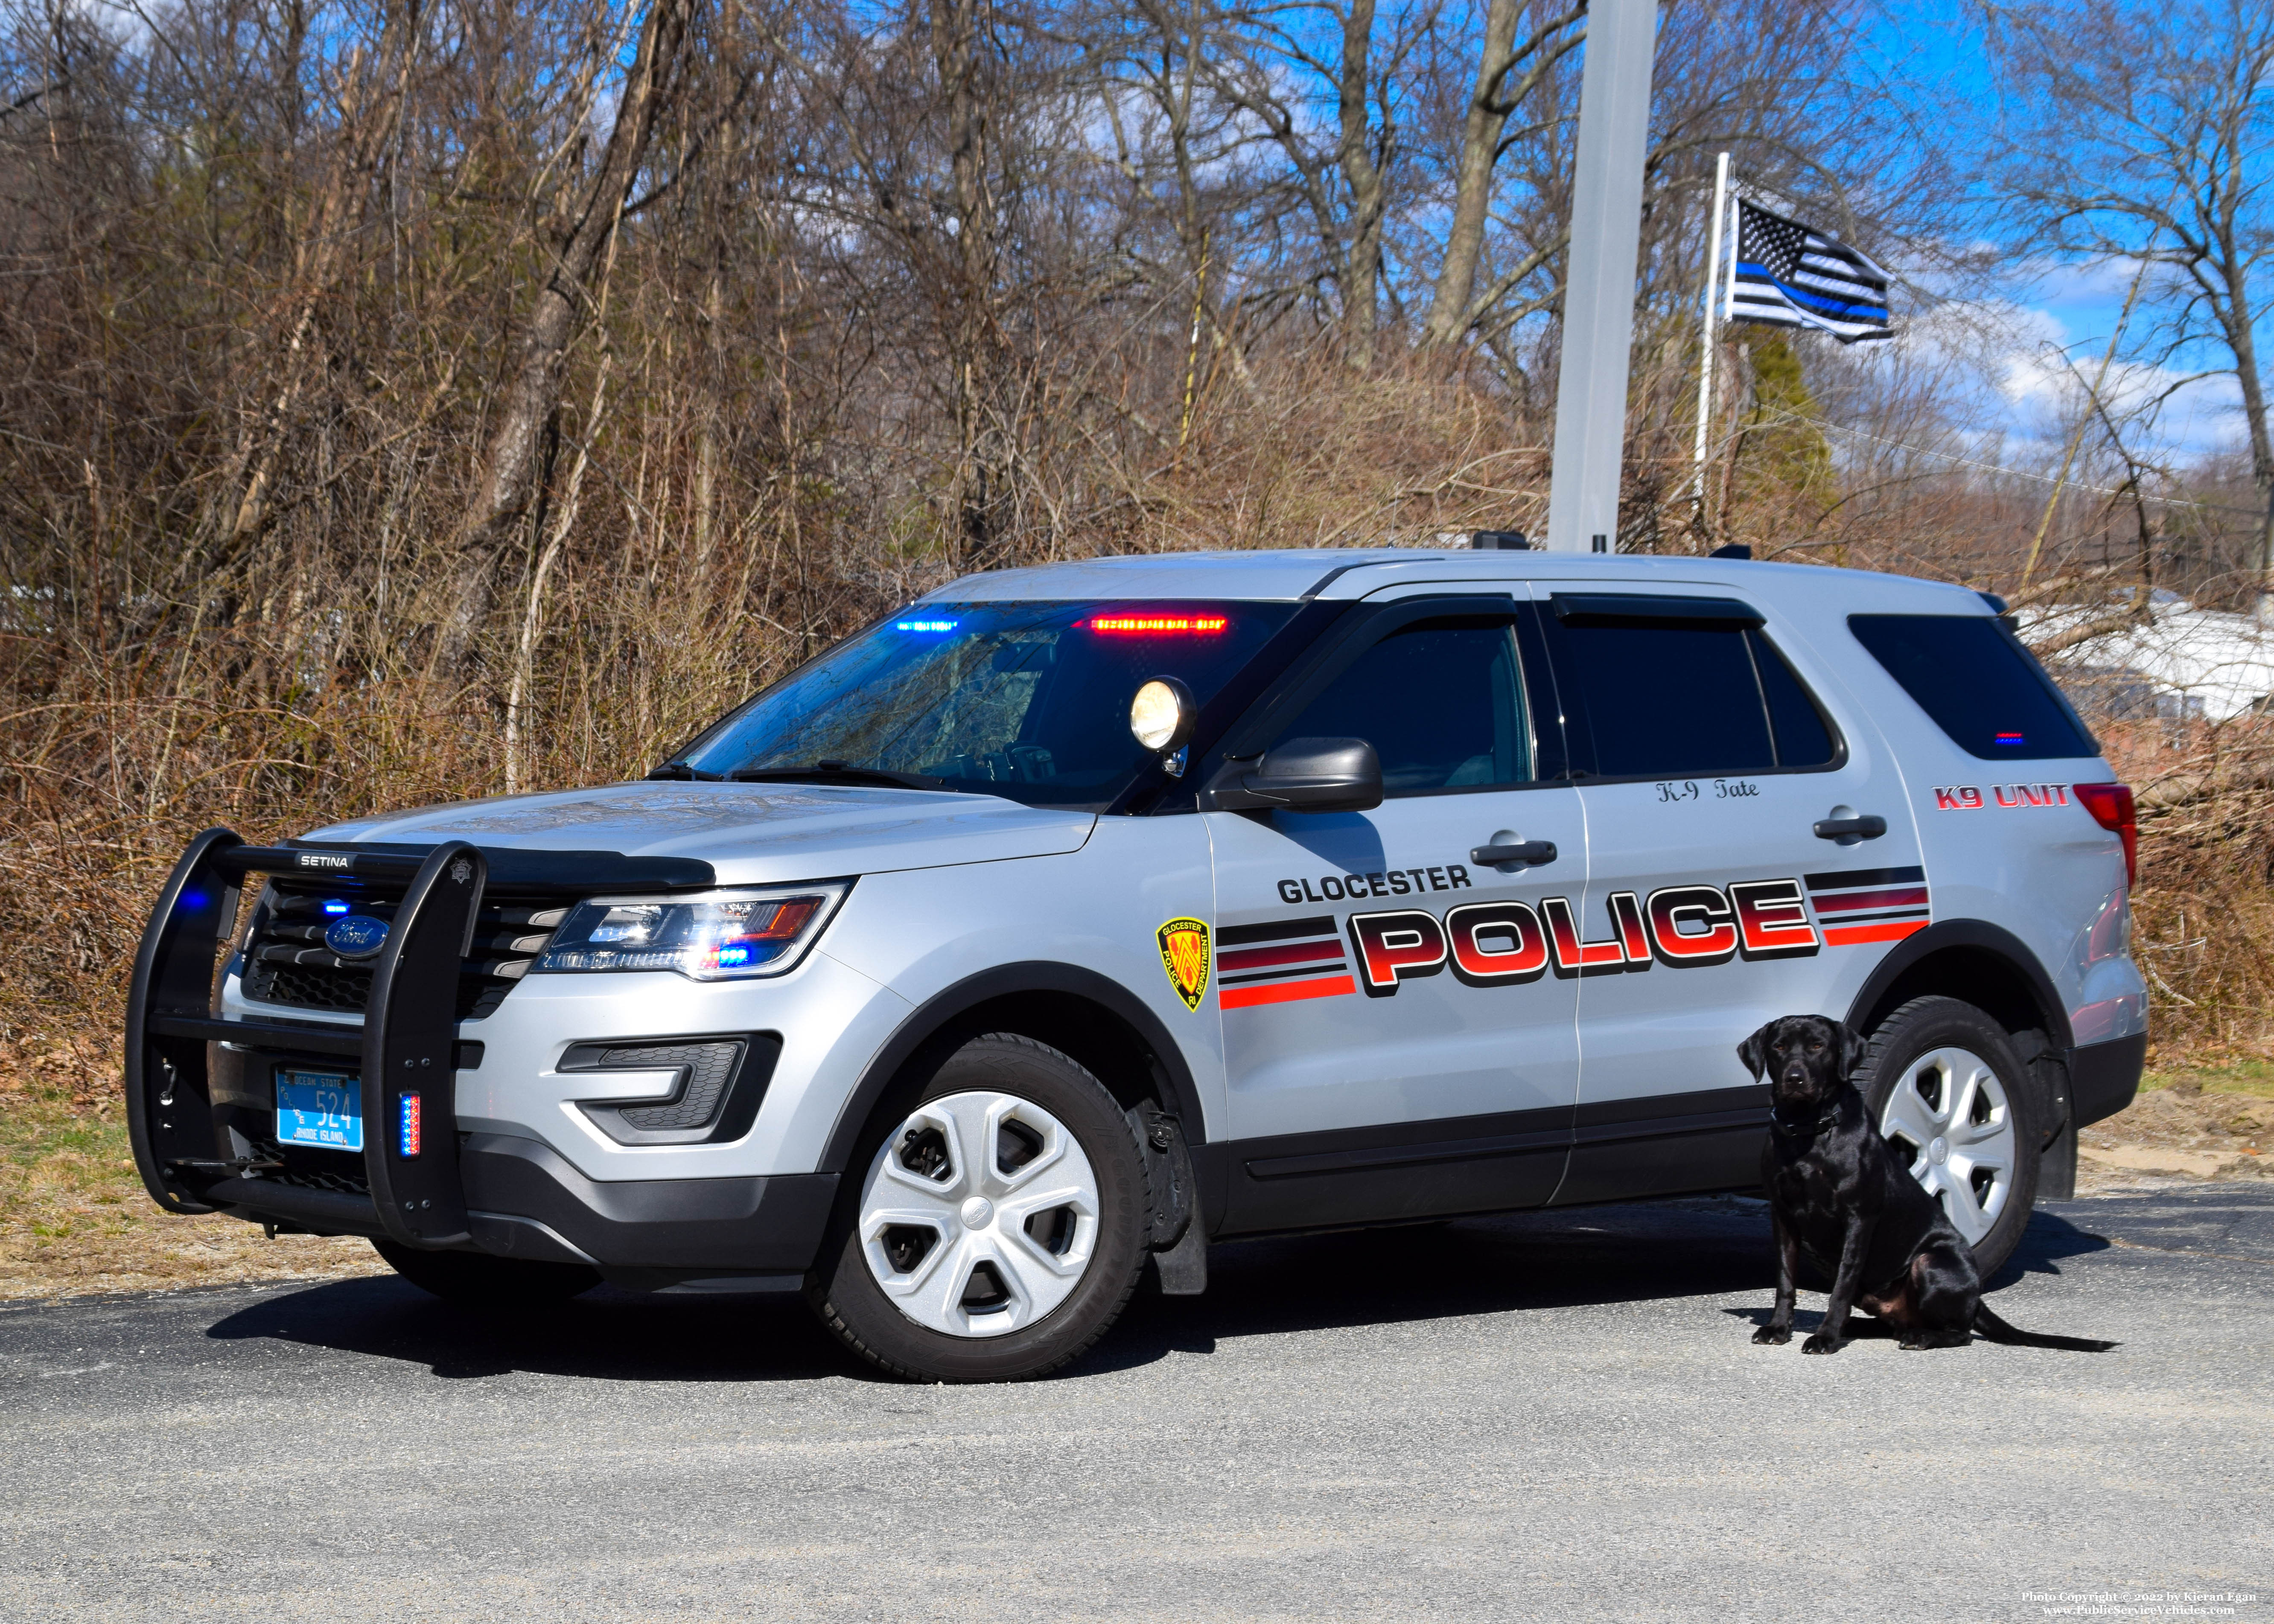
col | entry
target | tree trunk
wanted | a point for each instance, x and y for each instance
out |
(1450, 309)
(2244, 344)
(508, 478)
(365, 129)
(1362, 258)
(956, 50)
(1464, 238)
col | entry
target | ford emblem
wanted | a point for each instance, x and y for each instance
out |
(355, 936)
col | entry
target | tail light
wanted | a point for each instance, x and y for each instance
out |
(2111, 806)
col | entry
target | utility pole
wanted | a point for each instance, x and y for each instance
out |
(1591, 393)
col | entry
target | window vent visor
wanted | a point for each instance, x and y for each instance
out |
(1652, 608)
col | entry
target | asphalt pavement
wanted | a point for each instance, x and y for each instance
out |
(1545, 1416)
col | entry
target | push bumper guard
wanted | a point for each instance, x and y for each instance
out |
(406, 1049)
(649, 1232)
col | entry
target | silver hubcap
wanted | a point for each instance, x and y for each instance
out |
(980, 1214)
(1950, 1116)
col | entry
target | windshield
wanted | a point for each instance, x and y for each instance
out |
(1029, 701)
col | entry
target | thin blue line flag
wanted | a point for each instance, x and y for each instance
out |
(1792, 276)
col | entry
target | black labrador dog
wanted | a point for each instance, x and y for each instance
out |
(1837, 1192)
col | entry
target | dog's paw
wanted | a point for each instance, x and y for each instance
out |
(1822, 1342)
(1774, 1335)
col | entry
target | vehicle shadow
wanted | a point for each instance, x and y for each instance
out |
(608, 1334)
(2050, 1237)
(1521, 1262)
(1510, 1264)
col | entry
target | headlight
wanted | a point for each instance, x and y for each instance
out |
(723, 936)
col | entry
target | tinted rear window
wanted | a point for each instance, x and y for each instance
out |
(1978, 683)
(1667, 700)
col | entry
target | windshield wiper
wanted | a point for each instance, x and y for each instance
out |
(836, 772)
(683, 773)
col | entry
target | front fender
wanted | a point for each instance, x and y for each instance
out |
(1037, 975)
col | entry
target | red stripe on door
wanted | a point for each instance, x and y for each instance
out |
(1283, 992)
(1862, 901)
(1894, 930)
(1260, 957)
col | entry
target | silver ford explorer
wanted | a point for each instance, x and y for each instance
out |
(1078, 914)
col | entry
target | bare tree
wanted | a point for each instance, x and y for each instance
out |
(511, 464)
(1346, 185)
(1500, 89)
(2143, 134)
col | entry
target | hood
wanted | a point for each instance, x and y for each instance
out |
(749, 833)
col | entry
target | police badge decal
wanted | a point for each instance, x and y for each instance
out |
(1184, 956)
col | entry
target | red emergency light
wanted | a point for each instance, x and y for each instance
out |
(1151, 625)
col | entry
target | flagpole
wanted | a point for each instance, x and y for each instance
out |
(1705, 357)
(1736, 246)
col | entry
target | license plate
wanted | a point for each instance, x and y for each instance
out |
(320, 1108)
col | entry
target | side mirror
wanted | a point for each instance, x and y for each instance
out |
(1304, 775)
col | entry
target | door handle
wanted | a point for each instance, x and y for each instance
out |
(1868, 827)
(1533, 851)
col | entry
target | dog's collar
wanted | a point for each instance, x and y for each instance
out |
(1825, 1121)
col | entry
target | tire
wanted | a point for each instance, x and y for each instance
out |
(1948, 1092)
(993, 1222)
(476, 1280)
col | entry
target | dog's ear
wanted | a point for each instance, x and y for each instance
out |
(1754, 1051)
(1851, 1047)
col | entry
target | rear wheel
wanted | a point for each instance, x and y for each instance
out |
(999, 1223)
(1952, 1099)
(476, 1280)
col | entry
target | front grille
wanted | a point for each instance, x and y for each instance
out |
(308, 987)
(286, 961)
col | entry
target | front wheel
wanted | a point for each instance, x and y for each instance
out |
(476, 1280)
(998, 1225)
(1951, 1098)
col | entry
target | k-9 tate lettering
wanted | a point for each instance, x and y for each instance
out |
(1385, 882)
(1675, 791)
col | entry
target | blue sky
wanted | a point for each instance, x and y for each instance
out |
(1930, 53)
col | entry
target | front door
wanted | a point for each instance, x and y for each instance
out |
(1395, 1046)
(1710, 767)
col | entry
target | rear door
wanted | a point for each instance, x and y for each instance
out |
(1712, 901)
(1394, 1045)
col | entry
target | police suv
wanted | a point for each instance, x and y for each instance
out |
(1086, 913)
